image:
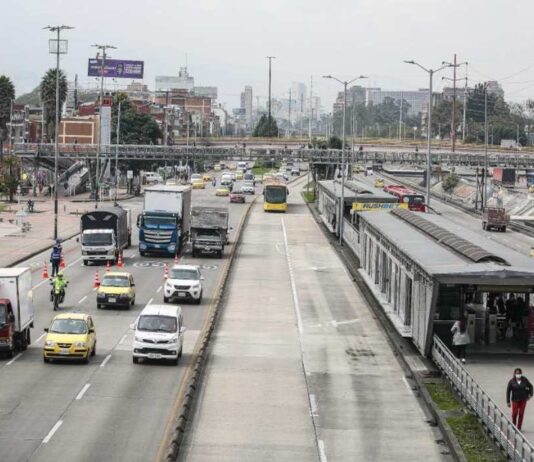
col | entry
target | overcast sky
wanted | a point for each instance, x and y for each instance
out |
(226, 41)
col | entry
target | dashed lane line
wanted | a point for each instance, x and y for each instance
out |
(14, 359)
(82, 391)
(106, 359)
(51, 433)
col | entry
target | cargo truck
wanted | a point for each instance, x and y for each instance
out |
(504, 176)
(164, 223)
(209, 230)
(495, 218)
(105, 233)
(16, 309)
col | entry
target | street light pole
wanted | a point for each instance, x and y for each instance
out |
(103, 48)
(342, 201)
(485, 175)
(57, 51)
(269, 125)
(431, 73)
(117, 153)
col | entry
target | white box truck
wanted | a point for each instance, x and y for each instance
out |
(16, 309)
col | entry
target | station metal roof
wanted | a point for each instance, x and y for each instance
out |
(356, 190)
(467, 256)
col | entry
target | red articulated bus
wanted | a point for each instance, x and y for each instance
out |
(415, 201)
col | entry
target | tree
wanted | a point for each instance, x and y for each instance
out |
(266, 128)
(9, 176)
(7, 94)
(335, 142)
(48, 99)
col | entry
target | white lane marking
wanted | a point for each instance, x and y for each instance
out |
(106, 359)
(82, 299)
(14, 359)
(55, 428)
(39, 338)
(322, 451)
(123, 338)
(292, 280)
(159, 289)
(313, 404)
(132, 255)
(82, 391)
(66, 268)
(150, 301)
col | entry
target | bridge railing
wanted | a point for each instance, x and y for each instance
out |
(497, 423)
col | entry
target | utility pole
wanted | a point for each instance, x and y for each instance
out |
(166, 128)
(117, 152)
(453, 117)
(102, 48)
(465, 105)
(57, 47)
(485, 173)
(311, 111)
(269, 124)
(342, 199)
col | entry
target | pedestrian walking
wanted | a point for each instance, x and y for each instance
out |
(518, 392)
(460, 338)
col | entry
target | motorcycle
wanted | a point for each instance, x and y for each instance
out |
(57, 296)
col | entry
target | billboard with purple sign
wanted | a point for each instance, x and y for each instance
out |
(116, 68)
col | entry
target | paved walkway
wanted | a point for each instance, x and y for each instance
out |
(16, 244)
(492, 372)
(299, 369)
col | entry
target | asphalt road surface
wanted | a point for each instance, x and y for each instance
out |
(111, 409)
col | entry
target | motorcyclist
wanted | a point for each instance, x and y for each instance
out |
(58, 284)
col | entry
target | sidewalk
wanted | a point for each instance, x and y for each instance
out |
(299, 369)
(16, 245)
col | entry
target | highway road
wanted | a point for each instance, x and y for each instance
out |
(513, 239)
(111, 409)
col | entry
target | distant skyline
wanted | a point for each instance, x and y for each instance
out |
(226, 41)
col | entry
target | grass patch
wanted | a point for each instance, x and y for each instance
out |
(308, 196)
(469, 432)
(473, 440)
(443, 396)
(261, 170)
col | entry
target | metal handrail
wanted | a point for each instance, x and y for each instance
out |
(497, 423)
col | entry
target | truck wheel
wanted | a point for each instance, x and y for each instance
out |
(135, 360)
(503, 229)
(220, 254)
(141, 253)
(166, 299)
(85, 262)
(9, 354)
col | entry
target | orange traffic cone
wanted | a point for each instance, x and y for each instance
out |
(166, 275)
(45, 271)
(96, 284)
(62, 262)
(119, 261)
(108, 268)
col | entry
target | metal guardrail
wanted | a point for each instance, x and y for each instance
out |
(497, 423)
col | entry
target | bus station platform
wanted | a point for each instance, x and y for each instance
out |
(299, 368)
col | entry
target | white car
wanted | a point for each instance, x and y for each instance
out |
(184, 283)
(196, 176)
(248, 187)
(158, 333)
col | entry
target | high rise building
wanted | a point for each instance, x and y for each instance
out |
(246, 105)
(300, 97)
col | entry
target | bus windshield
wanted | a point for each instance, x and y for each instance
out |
(275, 194)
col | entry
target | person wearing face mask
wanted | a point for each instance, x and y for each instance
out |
(518, 392)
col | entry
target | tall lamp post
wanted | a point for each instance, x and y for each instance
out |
(345, 83)
(103, 49)
(58, 47)
(117, 152)
(270, 58)
(430, 73)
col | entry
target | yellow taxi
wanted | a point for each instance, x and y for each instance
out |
(223, 192)
(206, 177)
(239, 175)
(356, 169)
(379, 183)
(116, 289)
(198, 183)
(70, 336)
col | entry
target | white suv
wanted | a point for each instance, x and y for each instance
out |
(184, 283)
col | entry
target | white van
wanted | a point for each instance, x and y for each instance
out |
(158, 333)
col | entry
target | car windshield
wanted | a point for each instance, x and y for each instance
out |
(3, 314)
(155, 323)
(249, 176)
(196, 176)
(68, 326)
(275, 195)
(190, 275)
(115, 281)
(418, 200)
(159, 221)
(97, 239)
